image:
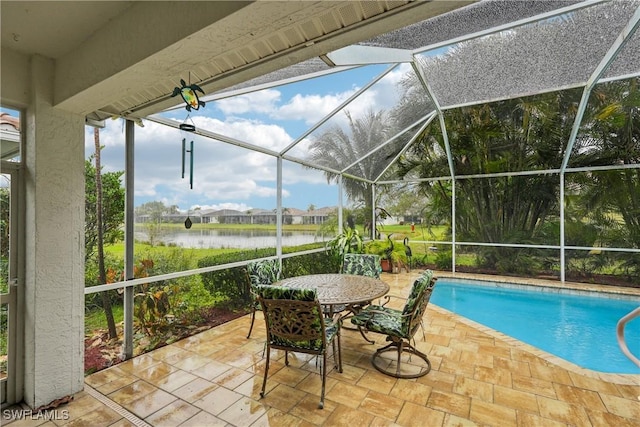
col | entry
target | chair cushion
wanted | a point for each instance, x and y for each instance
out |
(306, 322)
(417, 289)
(362, 265)
(264, 272)
(383, 320)
(399, 323)
(281, 292)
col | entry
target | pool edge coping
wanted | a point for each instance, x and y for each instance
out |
(547, 283)
(623, 379)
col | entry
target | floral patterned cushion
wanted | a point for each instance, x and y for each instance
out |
(377, 318)
(263, 272)
(417, 289)
(281, 292)
(362, 265)
(401, 323)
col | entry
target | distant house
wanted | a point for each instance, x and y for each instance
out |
(318, 216)
(293, 216)
(262, 216)
(253, 216)
(225, 216)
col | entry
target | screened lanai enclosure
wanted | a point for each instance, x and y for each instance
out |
(520, 137)
(506, 132)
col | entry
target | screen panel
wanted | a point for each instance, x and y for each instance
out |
(556, 53)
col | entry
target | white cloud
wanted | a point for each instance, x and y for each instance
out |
(263, 101)
(223, 173)
(227, 176)
(307, 108)
(310, 108)
(219, 206)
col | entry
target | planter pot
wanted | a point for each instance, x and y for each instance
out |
(386, 265)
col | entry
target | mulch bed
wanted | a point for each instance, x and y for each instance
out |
(100, 352)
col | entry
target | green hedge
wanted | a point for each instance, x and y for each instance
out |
(316, 263)
(232, 284)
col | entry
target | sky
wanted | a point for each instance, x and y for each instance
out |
(229, 177)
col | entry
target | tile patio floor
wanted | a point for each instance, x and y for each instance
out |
(479, 377)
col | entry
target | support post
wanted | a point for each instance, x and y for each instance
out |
(129, 220)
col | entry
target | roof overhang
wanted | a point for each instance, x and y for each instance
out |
(125, 58)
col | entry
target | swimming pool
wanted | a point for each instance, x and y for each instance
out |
(580, 328)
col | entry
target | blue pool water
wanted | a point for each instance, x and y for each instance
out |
(576, 327)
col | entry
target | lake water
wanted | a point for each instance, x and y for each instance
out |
(237, 239)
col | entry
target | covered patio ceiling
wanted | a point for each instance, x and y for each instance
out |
(481, 53)
(125, 58)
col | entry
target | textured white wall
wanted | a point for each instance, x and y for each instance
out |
(54, 244)
(14, 84)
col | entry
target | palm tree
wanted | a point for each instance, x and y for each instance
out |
(106, 303)
(610, 199)
(338, 148)
(507, 136)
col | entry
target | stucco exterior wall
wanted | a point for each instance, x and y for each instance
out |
(54, 244)
(14, 84)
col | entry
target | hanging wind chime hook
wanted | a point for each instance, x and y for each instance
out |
(189, 94)
(189, 127)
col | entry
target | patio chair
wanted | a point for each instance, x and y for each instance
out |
(295, 322)
(399, 326)
(361, 265)
(263, 272)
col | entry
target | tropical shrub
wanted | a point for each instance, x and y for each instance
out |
(232, 284)
(387, 250)
(444, 260)
(315, 263)
(349, 241)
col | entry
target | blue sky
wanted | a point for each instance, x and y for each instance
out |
(230, 177)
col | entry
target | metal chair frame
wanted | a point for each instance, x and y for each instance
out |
(404, 325)
(295, 323)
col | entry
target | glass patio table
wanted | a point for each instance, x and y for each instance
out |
(342, 292)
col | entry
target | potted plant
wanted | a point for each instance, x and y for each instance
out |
(391, 255)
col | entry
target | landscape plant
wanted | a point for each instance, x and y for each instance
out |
(103, 229)
(388, 250)
(358, 145)
(348, 241)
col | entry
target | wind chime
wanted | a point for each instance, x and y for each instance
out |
(189, 94)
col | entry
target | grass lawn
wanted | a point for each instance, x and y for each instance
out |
(95, 319)
(144, 248)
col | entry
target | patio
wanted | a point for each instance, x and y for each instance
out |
(479, 377)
